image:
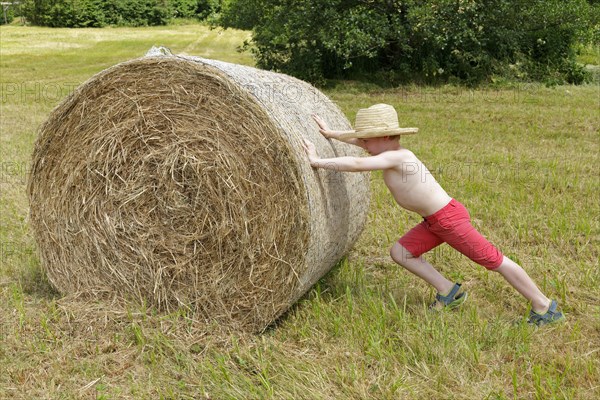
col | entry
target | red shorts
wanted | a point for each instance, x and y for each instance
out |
(452, 225)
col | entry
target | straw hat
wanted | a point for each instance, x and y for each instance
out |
(377, 121)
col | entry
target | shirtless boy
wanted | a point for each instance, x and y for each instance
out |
(445, 220)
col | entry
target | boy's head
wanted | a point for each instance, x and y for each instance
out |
(379, 120)
(377, 145)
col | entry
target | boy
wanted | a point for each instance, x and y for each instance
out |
(444, 219)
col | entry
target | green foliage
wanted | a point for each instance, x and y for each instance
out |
(206, 8)
(469, 40)
(549, 45)
(200, 9)
(239, 14)
(10, 14)
(34, 10)
(184, 8)
(98, 13)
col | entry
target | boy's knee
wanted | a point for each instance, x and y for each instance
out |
(399, 253)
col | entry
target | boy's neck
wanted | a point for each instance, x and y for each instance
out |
(396, 146)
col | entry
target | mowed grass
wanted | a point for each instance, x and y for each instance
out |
(524, 160)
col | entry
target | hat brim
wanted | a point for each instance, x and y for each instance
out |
(373, 133)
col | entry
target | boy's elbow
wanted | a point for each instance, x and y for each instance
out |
(357, 165)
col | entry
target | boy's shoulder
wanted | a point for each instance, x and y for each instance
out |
(401, 155)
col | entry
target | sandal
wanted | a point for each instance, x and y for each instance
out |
(552, 315)
(451, 301)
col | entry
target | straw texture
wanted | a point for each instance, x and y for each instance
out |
(377, 121)
(181, 182)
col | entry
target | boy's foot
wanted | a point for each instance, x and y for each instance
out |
(449, 301)
(551, 316)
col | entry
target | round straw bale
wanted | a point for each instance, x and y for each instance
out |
(179, 181)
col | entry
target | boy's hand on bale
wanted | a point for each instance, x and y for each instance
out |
(311, 152)
(323, 128)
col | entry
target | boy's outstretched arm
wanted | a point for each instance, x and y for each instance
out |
(329, 134)
(351, 164)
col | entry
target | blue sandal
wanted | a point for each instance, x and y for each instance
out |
(552, 315)
(451, 301)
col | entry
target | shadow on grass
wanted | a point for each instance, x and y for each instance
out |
(34, 281)
(361, 287)
(325, 289)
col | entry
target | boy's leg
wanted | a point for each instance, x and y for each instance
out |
(518, 278)
(421, 268)
(459, 233)
(407, 252)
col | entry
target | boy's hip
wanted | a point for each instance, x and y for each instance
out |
(452, 213)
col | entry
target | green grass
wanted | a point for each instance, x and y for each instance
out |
(524, 159)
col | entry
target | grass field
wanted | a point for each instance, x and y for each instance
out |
(523, 158)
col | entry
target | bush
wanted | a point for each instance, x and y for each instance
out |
(184, 8)
(239, 14)
(10, 15)
(471, 40)
(98, 13)
(199, 9)
(34, 11)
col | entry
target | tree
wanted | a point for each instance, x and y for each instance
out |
(427, 39)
